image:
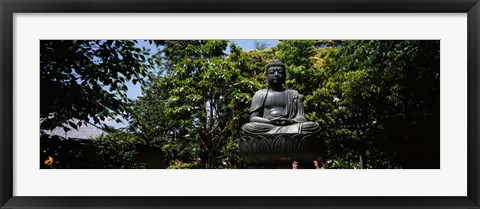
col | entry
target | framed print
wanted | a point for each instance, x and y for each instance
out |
(191, 40)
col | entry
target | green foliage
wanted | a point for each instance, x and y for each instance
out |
(377, 102)
(372, 99)
(185, 166)
(113, 151)
(116, 150)
(388, 97)
(88, 80)
(56, 152)
(197, 103)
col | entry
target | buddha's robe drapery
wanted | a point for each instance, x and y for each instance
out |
(293, 111)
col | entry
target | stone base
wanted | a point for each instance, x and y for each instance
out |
(280, 150)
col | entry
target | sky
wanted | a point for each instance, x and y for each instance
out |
(135, 91)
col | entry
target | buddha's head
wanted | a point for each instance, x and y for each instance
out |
(276, 75)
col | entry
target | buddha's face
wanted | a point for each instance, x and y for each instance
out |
(276, 76)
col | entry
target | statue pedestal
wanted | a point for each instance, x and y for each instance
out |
(280, 150)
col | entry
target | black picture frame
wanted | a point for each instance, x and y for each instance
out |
(9, 7)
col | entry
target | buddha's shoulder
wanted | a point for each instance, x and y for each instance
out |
(292, 92)
(261, 92)
(265, 91)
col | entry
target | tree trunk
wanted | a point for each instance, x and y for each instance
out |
(362, 159)
(211, 159)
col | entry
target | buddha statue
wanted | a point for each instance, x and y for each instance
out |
(277, 110)
(278, 133)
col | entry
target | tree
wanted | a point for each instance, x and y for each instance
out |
(201, 81)
(390, 101)
(87, 80)
(200, 100)
(309, 71)
(373, 99)
(376, 101)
